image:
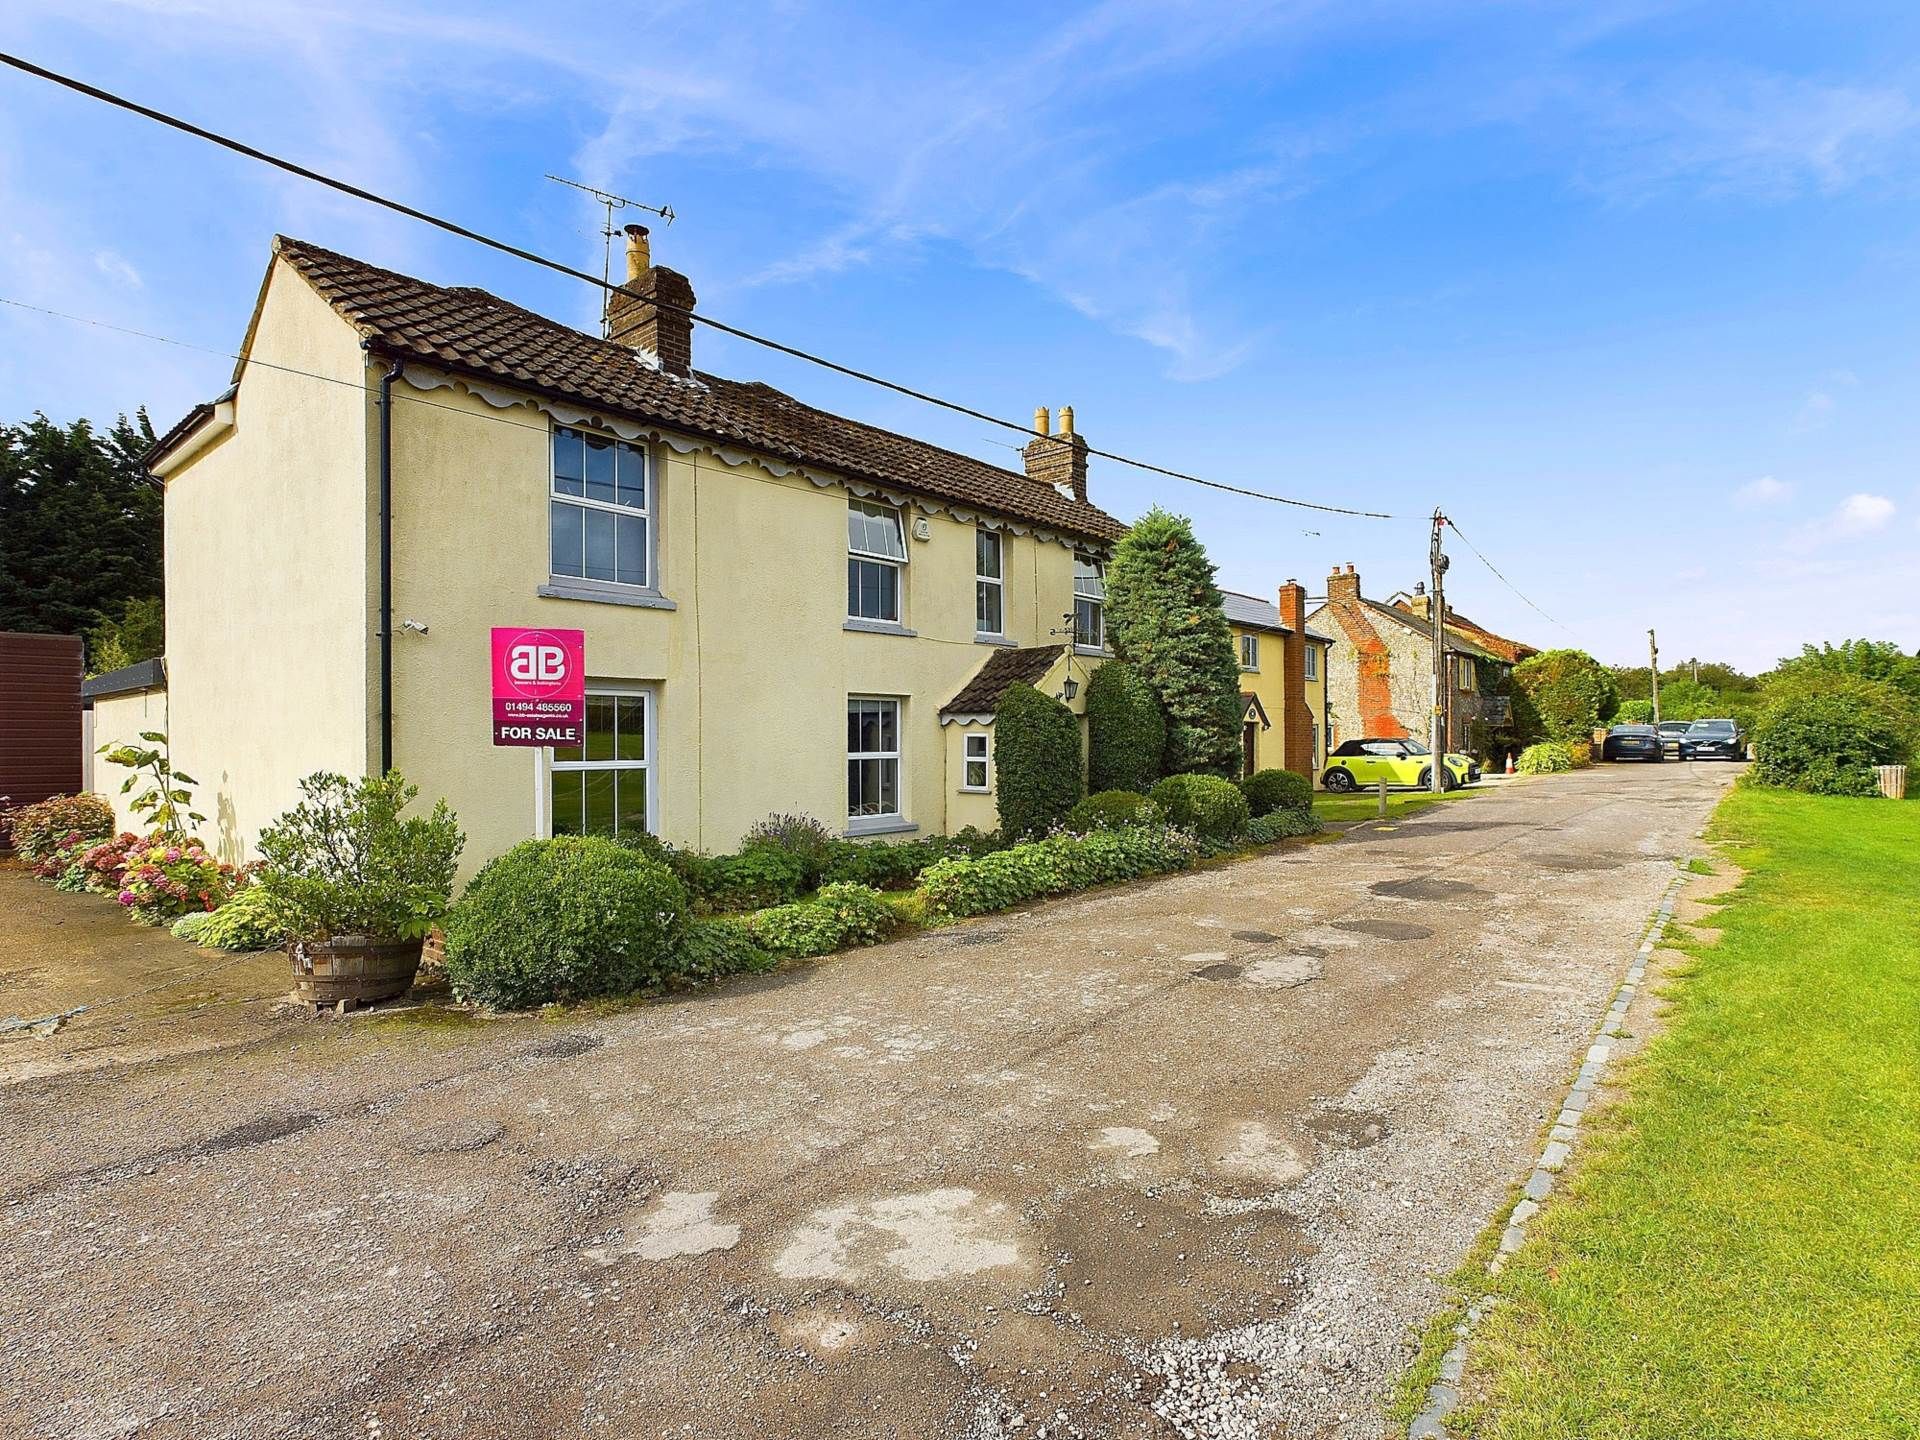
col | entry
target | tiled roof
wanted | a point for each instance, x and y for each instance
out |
(1258, 614)
(1004, 668)
(471, 331)
(1456, 641)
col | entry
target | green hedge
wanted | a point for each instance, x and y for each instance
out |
(1826, 744)
(1281, 825)
(758, 876)
(723, 945)
(1126, 730)
(1550, 757)
(564, 919)
(1036, 754)
(1056, 865)
(1271, 790)
(1110, 809)
(838, 917)
(1214, 809)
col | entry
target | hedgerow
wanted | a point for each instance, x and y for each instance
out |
(1036, 761)
(1126, 730)
(1056, 865)
(1111, 809)
(838, 917)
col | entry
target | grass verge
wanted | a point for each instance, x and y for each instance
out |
(1365, 804)
(1739, 1252)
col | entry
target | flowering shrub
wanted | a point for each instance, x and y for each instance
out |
(40, 829)
(1054, 866)
(162, 879)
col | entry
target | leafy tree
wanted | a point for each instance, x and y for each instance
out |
(1036, 751)
(1126, 730)
(140, 633)
(79, 523)
(1682, 699)
(1879, 660)
(1634, 712)
(1164, 617)
(1562, 695)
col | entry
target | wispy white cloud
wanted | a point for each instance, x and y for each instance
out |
(1765, 490)
(1855, 518)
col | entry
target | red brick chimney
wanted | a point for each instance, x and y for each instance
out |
(1343, 584)
(664, 329)
(1057, 460)
(1296, 733)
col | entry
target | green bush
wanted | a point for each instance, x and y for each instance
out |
(1271, 790)
(1126, 730)
(1056, 865)
(1110, 809)
(1561, 695)
(1549, 757)
(564, 919)
(246, 922)
(1634, 712)
(1036, 751)
(1214, 809)
(758, 876)
(343, 862)
(41, 828)
(839, 917)
(800, 836)
(1826, 744)
(723, 945)
(1281, 825)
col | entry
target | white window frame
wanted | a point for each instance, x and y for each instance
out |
(1096, 599)
(546, 766)
(1313, 661)
(1464, 678)
(984, 760)
(885, 819)
(1250, 653)
(983, 582)
(898, 562)
(645, 513)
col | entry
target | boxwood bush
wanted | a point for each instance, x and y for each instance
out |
(838, 917)
(1281, 825)
(1036, 753)
(1271, 790)
(1126, 730)
(1825, 744)
(1214, 809)
(1110, 809)
(564, 919)
(1549, 757)
(1056, 865)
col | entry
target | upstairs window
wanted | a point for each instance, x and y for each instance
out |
(599, 513)
(876, 553)
(1249, 652)
(1463, 672)
(1313, 662)
(1089, 602)
(989, 604)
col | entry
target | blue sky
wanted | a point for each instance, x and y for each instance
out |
(1628, 289)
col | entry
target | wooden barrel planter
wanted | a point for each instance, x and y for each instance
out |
(353, 968)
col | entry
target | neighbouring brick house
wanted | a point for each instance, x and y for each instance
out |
(1380, 669)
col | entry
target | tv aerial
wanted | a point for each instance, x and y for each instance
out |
(608, 230)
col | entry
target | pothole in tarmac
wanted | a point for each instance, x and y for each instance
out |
(1220, 971)
(1257, 937)
(1348, 1129)
(978, 937)
(263, 1131)
(1386, 929)
(942, 1234)
(1426, 887)
(567, 1047)
(670, 1226)
(1576, 864)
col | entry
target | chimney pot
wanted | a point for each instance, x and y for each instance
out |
(1058, 461)
(653, 310)
(639, 252)
(1066, 419)
(1042, 421)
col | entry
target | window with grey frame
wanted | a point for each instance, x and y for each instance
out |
(1249, 652)
(601, 787)
(599, 509)
(989, 585)
(876, 556)
(1313, 662)
(873, 757)
(1089, 602)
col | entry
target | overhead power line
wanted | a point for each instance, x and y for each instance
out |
(240, 147)
(1496, 572)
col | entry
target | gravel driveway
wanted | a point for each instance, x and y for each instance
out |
(1183, 1158)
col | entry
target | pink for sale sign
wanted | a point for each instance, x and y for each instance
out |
(539, 686)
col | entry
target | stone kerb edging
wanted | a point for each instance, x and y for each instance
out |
(1444, 1394)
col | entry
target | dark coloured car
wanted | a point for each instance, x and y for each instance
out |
(1633, 742)
(1713, 740)
(1672, 732)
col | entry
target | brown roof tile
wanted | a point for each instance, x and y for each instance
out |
(472, 331)
(1004, 669)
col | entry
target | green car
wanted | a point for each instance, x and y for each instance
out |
(1363, 764)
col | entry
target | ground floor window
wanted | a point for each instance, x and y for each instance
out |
(974, 769)
(873, 757)
(603, 787)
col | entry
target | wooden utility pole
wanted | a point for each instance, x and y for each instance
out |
(1653, 669)
(1437, 617)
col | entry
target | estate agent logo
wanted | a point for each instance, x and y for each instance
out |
(539, 686)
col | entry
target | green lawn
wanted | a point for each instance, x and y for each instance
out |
(1366, 804)
(1739, 1255)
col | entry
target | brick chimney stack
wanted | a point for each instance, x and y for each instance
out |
(1057, 460)
(1344, 585)
(1296, 734)
(652, 311)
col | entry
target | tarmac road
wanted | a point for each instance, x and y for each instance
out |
(1183, 1158)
